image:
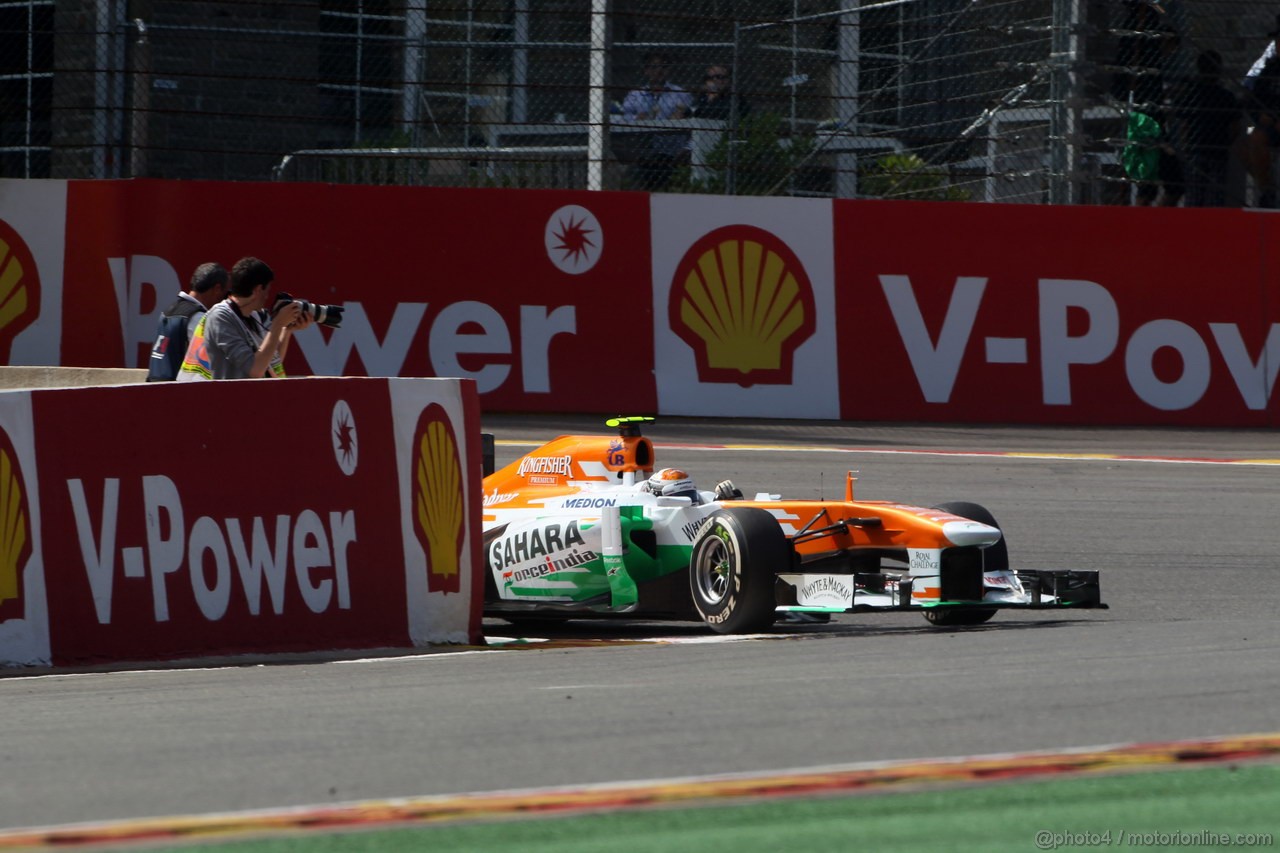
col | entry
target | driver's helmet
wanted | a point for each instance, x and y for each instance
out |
(673, 482)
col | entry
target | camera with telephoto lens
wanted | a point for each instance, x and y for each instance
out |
(325, 315)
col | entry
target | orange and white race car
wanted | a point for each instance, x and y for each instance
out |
(590, 526)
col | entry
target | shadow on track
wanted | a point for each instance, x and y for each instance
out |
(589, 631)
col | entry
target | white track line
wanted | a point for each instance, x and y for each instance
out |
(979, 454)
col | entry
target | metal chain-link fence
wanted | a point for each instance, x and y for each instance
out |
(1058, 101)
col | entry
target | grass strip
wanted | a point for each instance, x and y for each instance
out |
(1192, 808)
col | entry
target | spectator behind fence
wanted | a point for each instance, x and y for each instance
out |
(239, 338)
(1208, 119)
(1263, 83)
(715, 101)
(208, 288)
(1138, 54)
(1150, 158)
(658, 98)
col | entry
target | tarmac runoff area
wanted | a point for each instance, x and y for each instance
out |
(1180, 522)
(870, 778)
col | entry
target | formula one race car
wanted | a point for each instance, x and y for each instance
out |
(583, 526)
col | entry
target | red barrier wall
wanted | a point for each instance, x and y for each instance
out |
(692, 305)
(436, 283)
(189, 519)
(1057, 314)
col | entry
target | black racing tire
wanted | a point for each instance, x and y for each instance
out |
(732, 570)
(994, 558)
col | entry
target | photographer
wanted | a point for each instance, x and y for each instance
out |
(209, 285)
(238, 338)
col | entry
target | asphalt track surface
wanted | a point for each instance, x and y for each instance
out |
(1182, 524)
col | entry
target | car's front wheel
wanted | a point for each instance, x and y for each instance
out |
(995, 558)
(736, 556)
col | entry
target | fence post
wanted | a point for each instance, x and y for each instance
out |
(731, 152)
(415, 34)
(520, 63)
(848, 82)
(1064, 119)
(597, 115)
(140, 108)
(108, 98)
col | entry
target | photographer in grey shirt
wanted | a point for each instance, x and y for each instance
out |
(237, 338)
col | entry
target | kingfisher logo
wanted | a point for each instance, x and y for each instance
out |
(562, 465)
(15, 531)
(743, 301)
(437, 498)
(19, 288)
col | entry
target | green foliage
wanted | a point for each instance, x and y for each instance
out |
(908, 176)
(763, 158)
(391, 138)
(510, 175)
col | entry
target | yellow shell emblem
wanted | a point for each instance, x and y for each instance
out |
(437, 498)
(15, 533)
(19, 287)
(743, 301)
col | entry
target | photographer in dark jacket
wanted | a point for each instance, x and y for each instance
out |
(208, 288)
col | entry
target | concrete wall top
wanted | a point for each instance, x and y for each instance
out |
(68, 377)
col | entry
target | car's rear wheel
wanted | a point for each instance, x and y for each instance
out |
(731, 571)
(994, 558)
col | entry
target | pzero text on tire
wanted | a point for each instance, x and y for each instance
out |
(995, 558)
(738, 552)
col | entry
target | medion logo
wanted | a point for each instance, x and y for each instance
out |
(15, 530)
(743, 301)
(19, 288)
(437, 498)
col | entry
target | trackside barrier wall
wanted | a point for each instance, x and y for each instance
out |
(567, 301)
(162, 521)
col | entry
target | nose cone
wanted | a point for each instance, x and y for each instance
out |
(966, 533)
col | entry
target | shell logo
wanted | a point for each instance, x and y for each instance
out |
(437, 498)
(15, 531)
(743, 301)
(19, 287)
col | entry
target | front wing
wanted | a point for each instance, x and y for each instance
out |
(873, 591)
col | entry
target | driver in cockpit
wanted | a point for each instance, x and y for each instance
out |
(676, 483)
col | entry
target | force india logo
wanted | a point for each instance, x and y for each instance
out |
(437, 498)
(576, 557)
(743, 301)
(19, 288)
(15, 531)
